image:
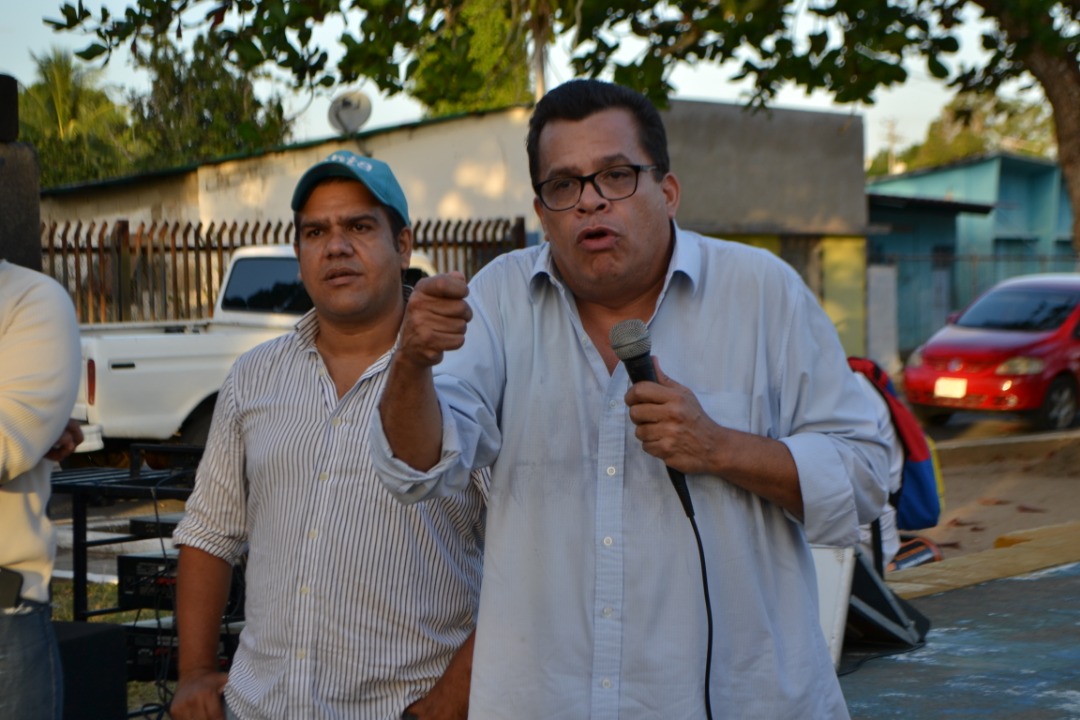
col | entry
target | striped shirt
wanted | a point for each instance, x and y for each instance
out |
(354, 603)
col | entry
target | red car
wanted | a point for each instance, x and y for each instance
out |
(1016, 349)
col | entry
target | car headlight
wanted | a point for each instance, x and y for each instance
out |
(1020, 366)
(915, 358)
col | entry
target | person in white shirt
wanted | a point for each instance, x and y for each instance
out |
(39, 378)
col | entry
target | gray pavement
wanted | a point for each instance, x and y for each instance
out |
(1007, 648)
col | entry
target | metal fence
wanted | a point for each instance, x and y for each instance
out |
(173, 270)
(929, 287)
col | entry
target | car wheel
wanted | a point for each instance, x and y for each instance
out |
(932, 416)
(1058, 410)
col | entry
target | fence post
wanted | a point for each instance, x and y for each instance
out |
(122, 253)
(518, 232)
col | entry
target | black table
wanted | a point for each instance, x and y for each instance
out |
(135, 483)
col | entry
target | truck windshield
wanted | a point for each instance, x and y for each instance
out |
(266, 285)
(1020, 309)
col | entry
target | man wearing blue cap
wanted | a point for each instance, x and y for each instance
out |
(356, 606)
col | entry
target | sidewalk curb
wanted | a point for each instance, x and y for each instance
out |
(1013, 554)
(960, 453)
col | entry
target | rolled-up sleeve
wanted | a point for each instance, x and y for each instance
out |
(833, 435)
(215, 516)
(446, 477)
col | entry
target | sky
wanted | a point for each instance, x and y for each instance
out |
(904, 112)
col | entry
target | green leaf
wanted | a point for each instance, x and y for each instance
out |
(936, 67)
(95, 50)
(247, 52)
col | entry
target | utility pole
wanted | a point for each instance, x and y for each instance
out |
(892, 139)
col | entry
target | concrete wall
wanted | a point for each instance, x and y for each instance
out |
(471, 167)
(149, 198)
(783, 172)
(843, 264)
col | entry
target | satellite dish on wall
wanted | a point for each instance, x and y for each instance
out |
(349, 111)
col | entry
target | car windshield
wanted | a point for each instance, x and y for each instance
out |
(266, 285)
(1034, 309)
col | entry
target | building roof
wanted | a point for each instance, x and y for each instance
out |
(1030, 160)
(938, 205)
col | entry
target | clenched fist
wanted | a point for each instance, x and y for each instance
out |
(435, 319)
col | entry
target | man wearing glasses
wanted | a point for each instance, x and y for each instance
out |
(591, 602)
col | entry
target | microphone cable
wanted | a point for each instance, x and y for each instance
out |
(679, 481)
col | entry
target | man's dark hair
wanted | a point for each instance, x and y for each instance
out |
(578, 99)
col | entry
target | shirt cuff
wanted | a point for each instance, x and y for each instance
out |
(829, 515)
(406, 482)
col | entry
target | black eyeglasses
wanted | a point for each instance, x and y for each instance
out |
(614, 183)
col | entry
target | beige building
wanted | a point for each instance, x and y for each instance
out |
(790, 181)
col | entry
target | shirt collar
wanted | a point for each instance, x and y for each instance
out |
(307, 328)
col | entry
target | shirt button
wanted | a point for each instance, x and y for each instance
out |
(608, 541)
(304, 590)
(607, 612)
(612, 404)
(322, 372)
(605, 683)
(301, 654)
(611, 471)
(336, 421)
(324, 476)
(312, 534)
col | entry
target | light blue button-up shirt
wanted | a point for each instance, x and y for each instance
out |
(591, 601)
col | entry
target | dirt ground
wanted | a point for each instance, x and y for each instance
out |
(988, 500)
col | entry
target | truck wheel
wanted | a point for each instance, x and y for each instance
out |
(1059, 407)
(197, 428)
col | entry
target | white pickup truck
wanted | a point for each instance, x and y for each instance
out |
(158, 381)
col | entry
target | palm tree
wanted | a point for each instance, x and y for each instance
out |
(79, 132)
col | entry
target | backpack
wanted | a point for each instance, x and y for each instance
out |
(921, 496)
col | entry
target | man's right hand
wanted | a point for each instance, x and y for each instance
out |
(435, 319)
(199, 697)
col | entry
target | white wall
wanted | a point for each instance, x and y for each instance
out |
(471, 167)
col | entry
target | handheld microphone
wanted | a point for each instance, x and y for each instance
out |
(632, 345)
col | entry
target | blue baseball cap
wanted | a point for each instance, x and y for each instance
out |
(374, 174)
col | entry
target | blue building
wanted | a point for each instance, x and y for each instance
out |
(954, 230)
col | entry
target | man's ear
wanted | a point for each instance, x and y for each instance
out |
(672, 191)
(404, 246)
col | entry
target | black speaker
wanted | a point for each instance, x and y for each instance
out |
(877, 614)
(93, 656)
(9, 109)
